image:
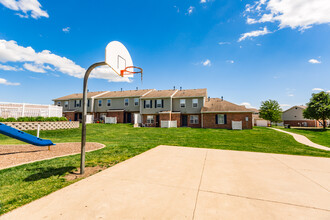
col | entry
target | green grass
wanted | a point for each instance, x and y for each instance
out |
(23, 184)
(316, 135)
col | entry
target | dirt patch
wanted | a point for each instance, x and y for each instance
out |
(13, 155)
(88, 172)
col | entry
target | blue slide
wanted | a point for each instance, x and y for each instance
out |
(22, 136)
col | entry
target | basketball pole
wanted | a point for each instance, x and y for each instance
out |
(83, 130)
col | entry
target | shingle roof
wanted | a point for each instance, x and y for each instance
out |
(191, 93)
(219, 105)
(125, 93)
(296, 106)
(79, 96)
(160, 94)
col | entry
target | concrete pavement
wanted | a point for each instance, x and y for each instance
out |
(194, 183)
(304, 140)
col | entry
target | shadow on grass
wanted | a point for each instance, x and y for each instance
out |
(312, 129)
(44, 173)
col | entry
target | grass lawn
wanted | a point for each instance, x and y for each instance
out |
(23, 184)
(316, 135)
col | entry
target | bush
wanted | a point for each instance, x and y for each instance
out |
(33, 119)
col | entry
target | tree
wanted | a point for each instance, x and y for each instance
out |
(270, 110)
(318, 108)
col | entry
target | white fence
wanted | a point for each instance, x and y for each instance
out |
(16, 110)
(110, 120)
(168, 124)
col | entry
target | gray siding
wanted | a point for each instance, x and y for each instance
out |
(188, 109)
(71, 106)
(153, 110)
(116, 103)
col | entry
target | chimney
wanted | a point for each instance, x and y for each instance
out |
(209, 98)
(173, 87)
(221, 98)
(121, 89)
(137, 88)
(180, 88)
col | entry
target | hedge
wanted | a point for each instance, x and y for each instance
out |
(33, 119)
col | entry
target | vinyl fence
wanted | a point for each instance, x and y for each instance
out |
(16, 110)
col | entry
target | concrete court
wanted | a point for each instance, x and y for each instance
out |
(194, 183)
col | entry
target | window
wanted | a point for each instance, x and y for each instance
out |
(182, 103)
(221, 119)
(147, 104)
(246, 118)
(58, 103)
(77, 103)
(159, 103)
(66, 104)
(195, 103)
(193, 119)
(126, 102)
(109, 102)
(150, 119)
(100, 103)
(136, 101)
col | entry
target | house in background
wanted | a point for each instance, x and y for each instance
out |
(294, 117)
(256, 120)
(150, 107)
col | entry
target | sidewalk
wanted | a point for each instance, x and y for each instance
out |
(194, 183)
(304, 140)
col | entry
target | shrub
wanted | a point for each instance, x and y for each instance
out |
(2, 120)
(11, 120)
(33, 119)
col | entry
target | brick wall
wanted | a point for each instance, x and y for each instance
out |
(299, 123)
(43, 125)
(119, 115)
(69, 115)
(176, 117)
(210, 122)
(195, 125)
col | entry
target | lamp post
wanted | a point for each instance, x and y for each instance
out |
(83, 130)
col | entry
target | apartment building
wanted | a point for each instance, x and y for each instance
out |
(189, 108)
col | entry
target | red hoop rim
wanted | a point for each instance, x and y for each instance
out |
(126, 71)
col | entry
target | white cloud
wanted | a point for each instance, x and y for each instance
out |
(254, 34)
(5, 82)
(202, 1)
(300, 14)
(318, 89)
(66, 30)
(328, 91)
(258, 45)
(230, 61)
(247, 105)
(285, 105)
(9, 68)
(251, 21)
(26, 6)
(207, 62)
(223, 43)
(34, 61)
(314, 61)
(290, 95)
(177, 9)
(190, 10)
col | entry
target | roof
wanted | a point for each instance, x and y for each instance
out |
(296, 106)
(160, 94)
(254, 110)
(219, 105)
(191, 93)
(125, 93)
(79, 96)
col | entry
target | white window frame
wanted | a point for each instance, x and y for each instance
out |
(59, 103)
(150, 119)
(136, 101)
(108, 102)
(78, 104)
(222, 121)
(195, 101)
(159, 103)
(146, 105)
(182, 103)
(126, 103)
(99, 103)
(194, 119)
(66, 104)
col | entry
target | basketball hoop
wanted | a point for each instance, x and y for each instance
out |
(130, 70)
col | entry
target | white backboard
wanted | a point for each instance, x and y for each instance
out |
(117, 57)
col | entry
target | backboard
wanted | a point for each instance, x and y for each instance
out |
(117, 57)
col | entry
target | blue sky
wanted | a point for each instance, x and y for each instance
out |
(246, 51)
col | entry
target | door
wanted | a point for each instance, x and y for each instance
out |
(184, 120)
(157, 121)
(129, 117)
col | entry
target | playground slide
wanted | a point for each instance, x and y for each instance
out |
(22, 136)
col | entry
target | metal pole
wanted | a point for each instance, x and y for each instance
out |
(83, 131)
